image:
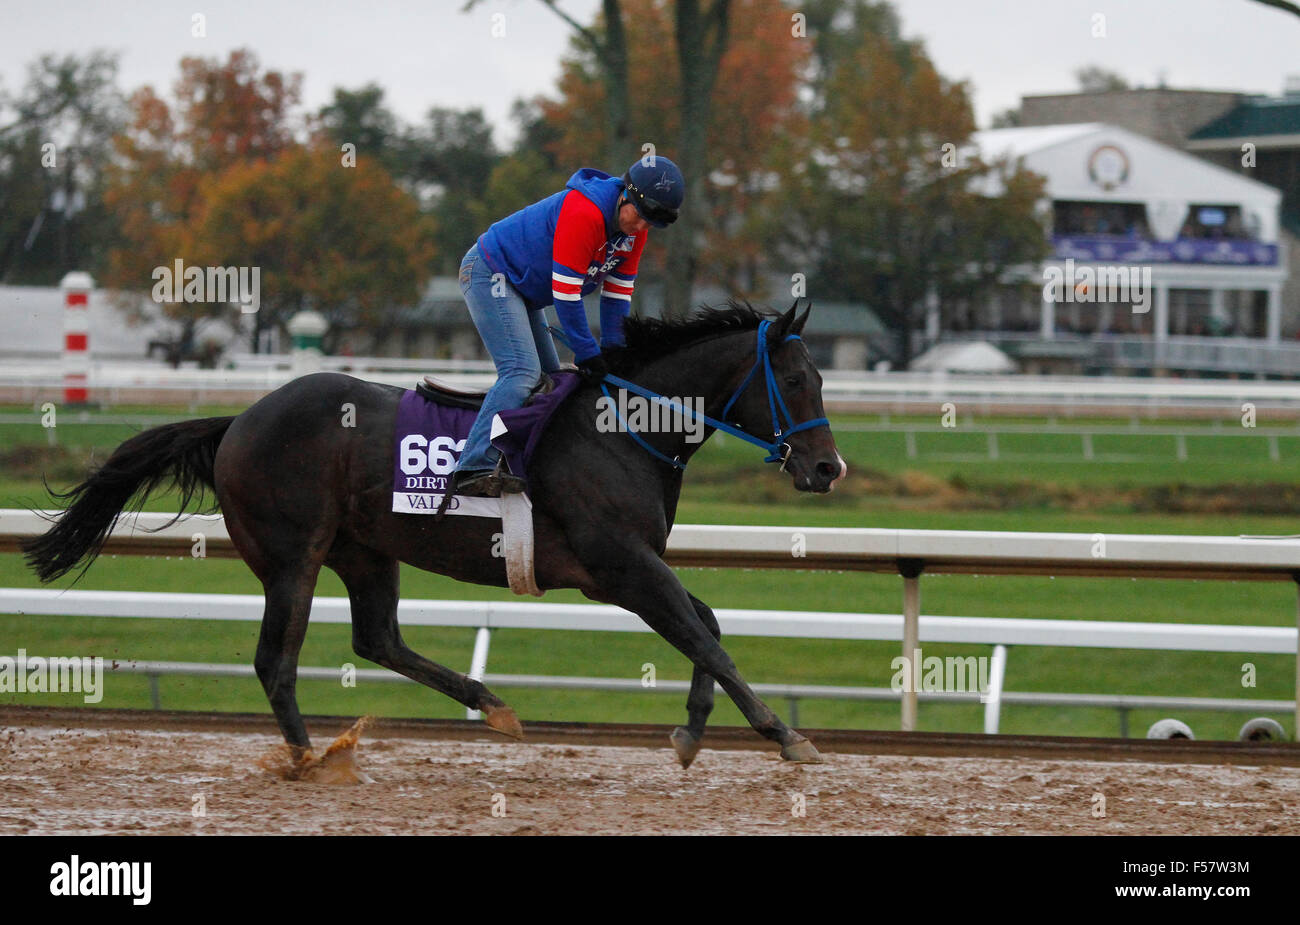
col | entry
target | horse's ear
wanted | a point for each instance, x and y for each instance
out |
(782, 326)
(797, 326)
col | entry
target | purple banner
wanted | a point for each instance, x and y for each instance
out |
(1103, 249)
(428, 439)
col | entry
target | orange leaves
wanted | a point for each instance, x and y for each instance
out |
(336, 236)
(222, 181)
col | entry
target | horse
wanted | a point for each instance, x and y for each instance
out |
(299, 490)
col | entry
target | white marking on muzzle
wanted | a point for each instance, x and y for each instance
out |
(844, 470)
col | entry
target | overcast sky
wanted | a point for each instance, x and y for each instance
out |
(429, 53)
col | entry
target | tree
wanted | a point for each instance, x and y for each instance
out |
(885, 200)
(346, 242)
(1007, 118)
(360, 118)
(723, 234)
(450, 162)
(528, 173)
(700, 30)
(1284, 5)
(54, 142)
(225, 115)
(606, 43)
(1094, 79)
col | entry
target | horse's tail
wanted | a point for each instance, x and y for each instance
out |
(183, 453)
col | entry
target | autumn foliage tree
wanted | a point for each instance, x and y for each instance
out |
(224, 114)
(345, 241)
(884, 200)
(221, 178)
(753, 105)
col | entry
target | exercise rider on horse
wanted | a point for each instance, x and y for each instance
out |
(588, 235)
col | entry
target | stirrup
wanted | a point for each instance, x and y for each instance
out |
(454, 487)
(477, 484)
(509, 483)
(492, 484)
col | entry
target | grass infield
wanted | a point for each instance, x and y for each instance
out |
(727, 483)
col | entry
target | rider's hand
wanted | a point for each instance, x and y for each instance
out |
(593, 369)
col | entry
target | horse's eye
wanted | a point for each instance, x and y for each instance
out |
(794, 381)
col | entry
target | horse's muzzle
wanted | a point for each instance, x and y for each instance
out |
(821, 476)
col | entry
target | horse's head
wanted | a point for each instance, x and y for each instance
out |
(792, 394)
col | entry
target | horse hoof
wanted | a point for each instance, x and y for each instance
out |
(801, 752)
(686, 746)
(504, 721)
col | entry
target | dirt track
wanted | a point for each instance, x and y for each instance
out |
(95, 780)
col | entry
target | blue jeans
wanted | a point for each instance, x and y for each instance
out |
(520, 345)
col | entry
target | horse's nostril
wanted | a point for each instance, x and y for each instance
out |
(828, 470)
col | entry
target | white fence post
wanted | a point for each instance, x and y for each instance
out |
(993, 696)
(911, 572)
(478, 662)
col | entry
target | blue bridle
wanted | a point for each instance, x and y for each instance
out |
(782, 426)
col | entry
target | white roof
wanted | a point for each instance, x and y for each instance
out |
(1017, 142)
(973, 357)
(1165, 179)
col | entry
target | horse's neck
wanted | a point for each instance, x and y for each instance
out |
(707, 370)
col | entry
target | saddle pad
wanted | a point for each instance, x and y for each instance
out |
(428, 439)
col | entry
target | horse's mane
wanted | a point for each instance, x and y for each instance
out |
(648, 339)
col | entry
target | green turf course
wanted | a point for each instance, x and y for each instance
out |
(727, 483)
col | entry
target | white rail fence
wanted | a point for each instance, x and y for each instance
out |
(113, 383)
(1175, 438)
(909, 553)
(487, 617)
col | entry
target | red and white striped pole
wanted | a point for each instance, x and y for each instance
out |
(76, 288)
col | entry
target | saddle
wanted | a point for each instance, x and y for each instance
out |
(433, 390)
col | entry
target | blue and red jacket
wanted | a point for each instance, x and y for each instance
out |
(558, 250)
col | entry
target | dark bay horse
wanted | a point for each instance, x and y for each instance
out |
(301, 489)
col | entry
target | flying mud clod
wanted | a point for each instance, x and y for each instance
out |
(337, 766)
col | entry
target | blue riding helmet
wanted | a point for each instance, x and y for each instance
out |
(657, 188)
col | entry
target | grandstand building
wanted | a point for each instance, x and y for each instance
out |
(1197, 191)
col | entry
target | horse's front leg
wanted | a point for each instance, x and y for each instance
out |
(699, 703)
(641, 582)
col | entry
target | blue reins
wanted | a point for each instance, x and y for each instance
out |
(782, 426)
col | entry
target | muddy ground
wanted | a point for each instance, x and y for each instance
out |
(96, 780)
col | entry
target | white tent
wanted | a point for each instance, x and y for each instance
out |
(974, 357)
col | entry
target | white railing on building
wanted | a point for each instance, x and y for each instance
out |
(1240, 355)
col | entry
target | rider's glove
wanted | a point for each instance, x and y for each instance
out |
(593, 369)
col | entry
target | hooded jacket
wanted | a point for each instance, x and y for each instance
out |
(564, 247)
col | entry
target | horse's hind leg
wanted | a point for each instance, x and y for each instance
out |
(284, 625)
(372, 582)
(699, 702)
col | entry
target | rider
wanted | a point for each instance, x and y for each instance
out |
(587, 235)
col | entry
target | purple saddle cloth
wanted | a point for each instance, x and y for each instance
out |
(428, 439)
